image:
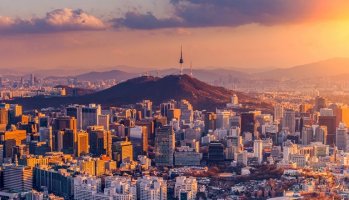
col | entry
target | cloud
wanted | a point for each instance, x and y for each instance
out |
(211, 13)
(55, 21)
(144, 21)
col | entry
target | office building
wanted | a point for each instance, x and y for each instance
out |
(100, 141)
(248, 124)
(139, 139)
(18, 178)
(330, 123)
(10, 139)
(187, 113)
(164, 146)
(289, 121)
(104, 120)
(82, 146)
(89, 115)
(223, 119)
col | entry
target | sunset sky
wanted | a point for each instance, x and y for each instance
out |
(148, 33)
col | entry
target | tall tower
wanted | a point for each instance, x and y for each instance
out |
(181, 61)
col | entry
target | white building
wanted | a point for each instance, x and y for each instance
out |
(86, 187)
(258, 150)
(151, 188)
(186, 187)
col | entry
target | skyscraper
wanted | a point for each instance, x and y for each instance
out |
(104, 120)
(82, 146)
(289, 121)
(320, 102)
(278, 112)
(164, 146)
(99, 141)
(330, 123)
(210, 121)
(11, 139)
(187, 113)
(139, 139)
(18, 178)
(89, 115)
(223, 119)
(342, 137)
(248, 124)
(258, 150)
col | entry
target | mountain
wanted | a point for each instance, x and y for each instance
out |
(325, 68)
(177, 87)
(105, 75)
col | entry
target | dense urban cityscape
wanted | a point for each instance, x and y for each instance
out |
(296, 150)
(174, 100)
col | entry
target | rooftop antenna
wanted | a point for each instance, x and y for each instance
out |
(181, 61)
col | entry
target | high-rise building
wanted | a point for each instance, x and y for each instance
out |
(320, 102)
(216, 152)
(278, 112)
(66, 141)
(145, 108)
(62, 123)
(18, 178)
(76, 112)
(258, 150)
(342, 115)
(174, 114)
(321, 134)
(330, 123)
(289, 121)
(14, 112)
(139, 139)
(342, 137)
(165, 107)
(104, 120)
(82, 147)
(89, 115)
(307, 135)
(45, 135)
(210, 121)
(248, 124)
(187, 113)
(100, 141)
(122, 150)
(59, 182)
(4, 116)
(11, 139)
(164, 146)
(223, 119)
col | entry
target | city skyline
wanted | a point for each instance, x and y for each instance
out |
(84, 35)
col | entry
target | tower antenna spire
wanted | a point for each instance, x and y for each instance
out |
(181, 61)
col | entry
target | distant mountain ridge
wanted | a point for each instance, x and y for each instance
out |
(158, 90)
(325, 68)
(105, 75)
